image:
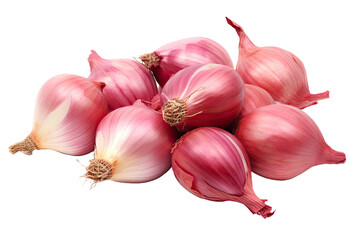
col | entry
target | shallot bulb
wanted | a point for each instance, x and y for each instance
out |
(68, 111)
(126, 80)
(212, 164)
(279, 72)
(255, 97)
(133, 145)
(202, 96)
(173, 57)
(282, 142)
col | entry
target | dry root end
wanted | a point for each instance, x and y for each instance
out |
(26, 146)
(98, 171)
(174, 111)
(150, 59)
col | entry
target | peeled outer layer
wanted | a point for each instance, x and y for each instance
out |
(212, 164)
(68, 111)
(175, 56)
(133, 144)
(283, 142)
(278, 71)
(255, 97)
(126, 80)
(201, 96)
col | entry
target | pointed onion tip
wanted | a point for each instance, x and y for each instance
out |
(311, 99)
(257, 206)
(94, 56)
(336, 157)
(265, 212)
(94, 59)
(318, 96)
(237, 27)
(245, 44)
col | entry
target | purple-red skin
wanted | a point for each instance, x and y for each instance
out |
(212, 164)
(282, 142)
(126, 80)
(184, 53)
(276, 70)
(216, 95)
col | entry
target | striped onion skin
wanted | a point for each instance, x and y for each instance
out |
(67, 113)
(211, 95)
(126, 80)
(282, 142)
(212, 164)
(133, 145)
(255, 97)
(276, 70)
(175, 56)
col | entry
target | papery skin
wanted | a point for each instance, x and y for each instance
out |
(136, 142)
(126, 80)
(212, 164)
(255, 97)
(282, 142)
(67, 113)
(154, 104)
(184, 53)
(216, 95)
(278, 71)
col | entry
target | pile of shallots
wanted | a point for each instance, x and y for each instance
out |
(212, 124)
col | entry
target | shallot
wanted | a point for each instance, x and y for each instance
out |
(282, 142)
(68, 111)
(126, 80)
(278, 71)
(175, 56)
(202, 95)
(212, 164)
(133, 144)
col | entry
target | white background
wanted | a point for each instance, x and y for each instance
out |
(42, 196)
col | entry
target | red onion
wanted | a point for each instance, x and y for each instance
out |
(175, 56)
(212, 164)
(133, 144)
(68, 111)
(202, 95)
(279, 72)
(126, 80)
(283, 141)
(255, 97)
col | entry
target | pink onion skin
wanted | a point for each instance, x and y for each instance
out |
(136, 142)
(126, 80)
(184, 53)
(156, 103)
(67, 113)
(282, 142)
(255, 97)
(278, 71)
(212, 164)
(216, 95)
